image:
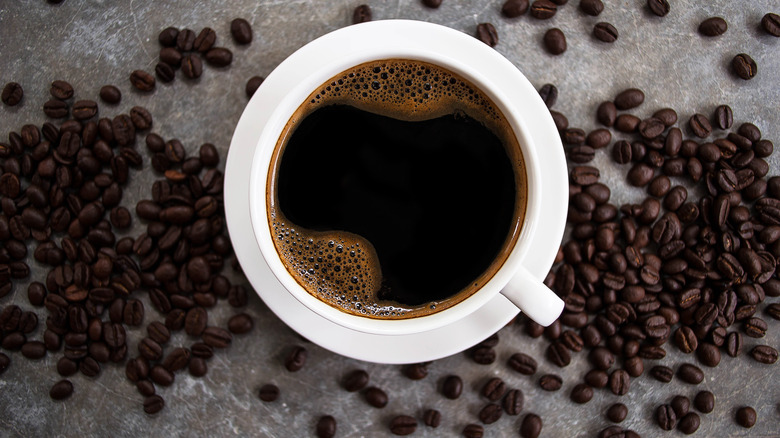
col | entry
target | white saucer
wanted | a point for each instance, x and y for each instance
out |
(432, 344)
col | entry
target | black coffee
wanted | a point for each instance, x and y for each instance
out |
(393, 193)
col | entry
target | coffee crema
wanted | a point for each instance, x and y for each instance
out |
(396, 190)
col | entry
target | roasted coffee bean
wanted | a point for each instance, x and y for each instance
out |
(61, 390)
(416, 371)
(375, 397)
(133, 312)
(605, 32)
(487, 33)
(554, 39)
(513, 8)
(770, 22)
(153, 404)
(432, 418)
(746, 417)
(473, 431)
(700, 125)
(150, 349)
(252, 84)
(241, 31)
(185, 40)
(110, 94)
(681, 404)
(192, 66)
(361, 14)
(61, 90)
(584, 175)
(522, 363)
(164, 72)
(177, 359)
(56, 109)
(167, 37)
(659, 8)
(591, 7)
(326, 427)
(12, 94)
(205, 40)
(403, 425)
(690, 373)
(37, 350)
(755, 327)
(355, 380)
(490, 413)
(141, 118)
(543, 9)
(84, 109)
(89, 367)
(708, 354)
(665, 417)
(760, 353)
(531, 426)
(145, 388)
(744, 66)
(662, 373)
(689, 423)
(549, 94)
(597, 378)
(685, 339)
(218, 57)
(617, 412)
(296, 359)
(581, 393)
(629, 98)
(452, 387)
(268, 392)
(142, 81)
(550, 382)
(494, 389)
(713, 26)
(483, 355)
(619, 382)
(558, 354)
(161, 376)
(513, 402)
(240, 324)
(704, 402)
(734, 344)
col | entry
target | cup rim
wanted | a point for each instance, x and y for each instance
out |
(295, 97)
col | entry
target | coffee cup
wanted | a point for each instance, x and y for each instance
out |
(296, 251)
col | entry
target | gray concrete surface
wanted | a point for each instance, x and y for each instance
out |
(92, 43)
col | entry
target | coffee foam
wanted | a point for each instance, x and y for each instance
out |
(342, 268)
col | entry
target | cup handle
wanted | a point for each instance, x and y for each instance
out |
(533, 298)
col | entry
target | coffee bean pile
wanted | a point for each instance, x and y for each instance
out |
(61, 187)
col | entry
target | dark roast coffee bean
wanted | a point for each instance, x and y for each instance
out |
(581, 393)
(554, 40)
(733, 344)
(558, 354)
(56, 109)
(744, 66)
(771, 24)
(483, 355)
(192, 66)
(549, 94)
(617, 412)
(84, 109)
(755, 327)
(522, 363)
(185, 40)
(681, 405)
(205, 40)
(591, 7)
(326, 427)
(531, 426)
(432, 418)
(403, 425)
(487, 33)
(689, 423)
(514, 8)
(196, 321)
(177, 359)
(167, 38)
(708, 354)
(605, 32)
(37, 350)
(746, 417)
(164, 72)
(141, 118)
(513, 402)
(690, 373)
(240, 324)
(490, 413)
(219, 57)
(452, 387)
(161, 376)
(700, 125)
(142, 81)
(760, 353)
(550, 382)
(61, 90)
(619, 382)
(296, 359)
(629, 98)
(355, 380)
(198, 367)
(473, 431)
(150, 349)
(494, 389)
(658, 7)
(89, 367)
(12, 94)
(253, 84)
(61, 390)
(713, 26)
(543, 9)
(665, 417)
(662, 373)
(597, 378)
(376, 397)
(704, 402)
(153, 404)
(110, 94)
(606, 113)
(268, 392)
(241, 31)
(361, 14)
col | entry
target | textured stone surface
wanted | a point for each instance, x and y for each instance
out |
(91, 44)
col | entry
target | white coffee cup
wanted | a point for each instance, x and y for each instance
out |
(512, 280)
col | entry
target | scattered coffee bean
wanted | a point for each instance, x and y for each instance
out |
(771, 24)
(513, 402)
(217, 57)
(550, 382)
(433, 4)
(61, 390)
(690, 373)
(522, 363)
(605, 32)
(12, 94)
(240, 324)
(581, 393)
(617, 412)
(531, 426)
(253, 84)
(142, 81)
(61, 90)
(494, 389)
(361, 14)
(153, 404)
(591, 7)
(296, 359)
(704, 402)
(514, 8)
(554, 40)
(452, 387)
(488, 34)
(403, 425)
(326, 427)
(662, 373)
(744, 66)
(473, 431)
(665, 417)
(432, 418)
(629, 98)
(241, 31)
(543, 9)
(713, 26)
(760, 353)
(192, 66)
(416, 371)
(376, 397)
(658, 7)
(746, 417)
(689, 423)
